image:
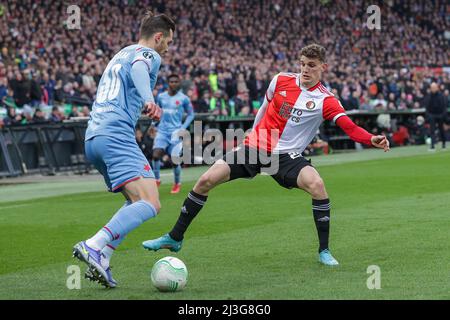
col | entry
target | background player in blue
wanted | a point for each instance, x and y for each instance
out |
(124, 92)
(174, 105)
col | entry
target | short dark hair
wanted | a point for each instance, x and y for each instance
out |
(151, 24)
(173, 75)
(314, 51)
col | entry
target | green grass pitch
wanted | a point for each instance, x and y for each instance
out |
(253, 240)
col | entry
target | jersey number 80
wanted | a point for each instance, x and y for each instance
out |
(110, 86)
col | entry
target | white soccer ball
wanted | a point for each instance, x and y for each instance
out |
(169, 274)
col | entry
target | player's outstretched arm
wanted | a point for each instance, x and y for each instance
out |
(358, 134)
(153, 111)
(333, 111)
(189, 110)
(141, 80)
(380, 142)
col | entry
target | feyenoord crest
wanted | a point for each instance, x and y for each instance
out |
(310, 105)
(285, 110)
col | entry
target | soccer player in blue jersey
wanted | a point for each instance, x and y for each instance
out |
(124, 93)
(174, 105)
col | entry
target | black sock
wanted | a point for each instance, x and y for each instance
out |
(191, 206)
(321, 212)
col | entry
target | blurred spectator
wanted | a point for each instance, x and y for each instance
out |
(401, 136)
(56, 115)
(419, 131)
(203, 84)
(242, 104)
(3, 90)
(21, 89)
(35, 91)
(86, 111)
(27, 116)
(39, 116)
(12, 118)
(145, 141)
(217, 104)
(436, 105)
(74, 113)
(352, 102)
(202, 105)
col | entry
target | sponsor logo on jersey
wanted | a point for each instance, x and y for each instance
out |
(285, 110)
(295, 115)
(310, 105)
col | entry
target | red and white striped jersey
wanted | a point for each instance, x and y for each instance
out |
(291, 115)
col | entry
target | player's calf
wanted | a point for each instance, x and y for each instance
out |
(310, 181)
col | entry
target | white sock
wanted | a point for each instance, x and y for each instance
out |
(107, 253)
(99, 240)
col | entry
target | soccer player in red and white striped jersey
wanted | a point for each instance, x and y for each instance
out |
(293, 109)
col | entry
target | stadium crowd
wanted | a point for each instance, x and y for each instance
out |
(226, 52)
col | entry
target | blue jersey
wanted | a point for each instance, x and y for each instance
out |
(118, 105)
(174, 108)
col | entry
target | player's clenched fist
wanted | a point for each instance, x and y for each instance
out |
(153, 111)
(380, 142)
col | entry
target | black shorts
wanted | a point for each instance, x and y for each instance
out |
(246, 162)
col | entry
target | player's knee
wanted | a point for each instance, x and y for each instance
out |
(152, 200)
(317, 187)
(157, 206)
(157, 154)
(155, 203)
(206, 182)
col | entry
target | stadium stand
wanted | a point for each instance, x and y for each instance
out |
(226, 52)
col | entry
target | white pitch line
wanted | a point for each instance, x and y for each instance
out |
(15, 206)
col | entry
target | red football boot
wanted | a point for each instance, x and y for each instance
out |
(176, 188)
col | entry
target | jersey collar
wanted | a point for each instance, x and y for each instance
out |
(304, 88)
(315, 86)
